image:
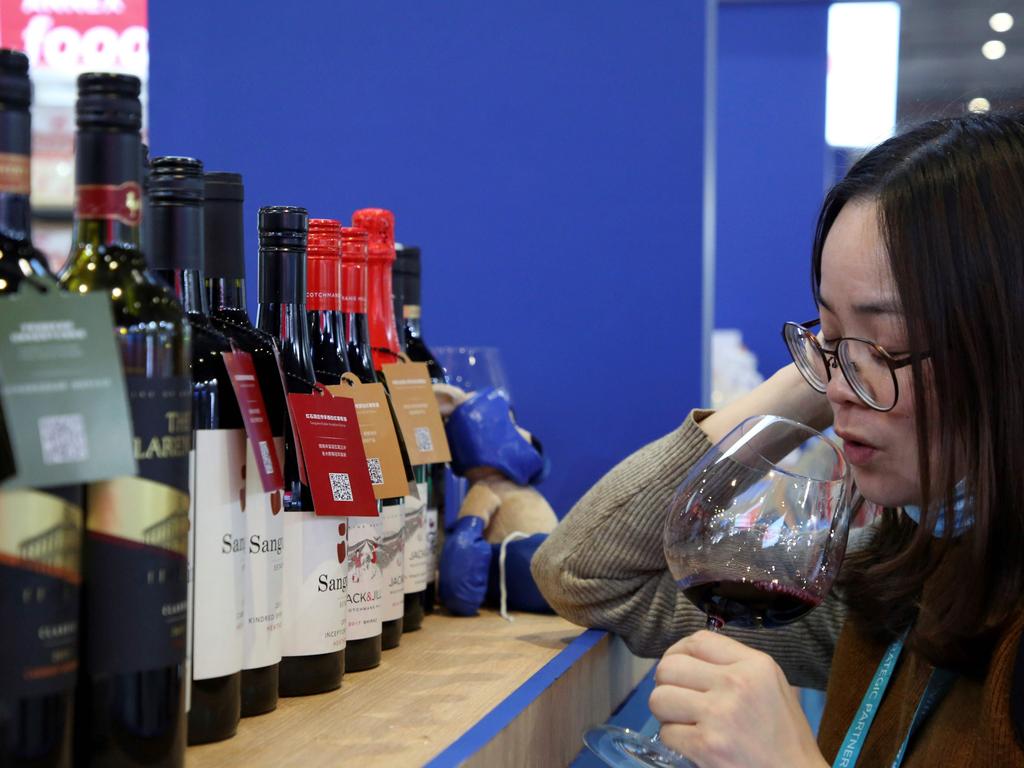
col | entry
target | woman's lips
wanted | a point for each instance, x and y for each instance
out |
(857, 451)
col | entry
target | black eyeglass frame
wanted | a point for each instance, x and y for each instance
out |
(831, 360)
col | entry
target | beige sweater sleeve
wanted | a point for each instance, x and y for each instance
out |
(604, 567)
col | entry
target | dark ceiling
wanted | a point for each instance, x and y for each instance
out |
(941, 66)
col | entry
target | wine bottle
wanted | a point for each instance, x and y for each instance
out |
(217, 459)
(19, 259)
(130, 706)
(365, 652)
(407, 294)
(323, 301)
(385, 346)
(330, 361)
(313, 650)
(224, 260)
(40, 528)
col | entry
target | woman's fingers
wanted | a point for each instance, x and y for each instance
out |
(672, 704)
(711, 647)
(685, 671)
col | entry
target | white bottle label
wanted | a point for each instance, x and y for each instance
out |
(416, 554)
(366, 582)
(264, 580)
(391, 557)
(432, 553)
(315, 575)
(217, 549)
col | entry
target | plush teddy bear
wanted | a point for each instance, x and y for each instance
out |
(503, 519)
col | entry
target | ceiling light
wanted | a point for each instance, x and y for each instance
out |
(993, 49)
(1001, 22)
(979, 104)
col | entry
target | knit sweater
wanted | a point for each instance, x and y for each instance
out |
(604, 567)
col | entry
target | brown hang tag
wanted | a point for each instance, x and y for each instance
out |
(417, 411)
(380, 441)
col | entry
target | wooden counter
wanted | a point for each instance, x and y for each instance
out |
(462, 691)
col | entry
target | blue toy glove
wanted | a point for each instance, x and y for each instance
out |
(465, 563)
(481, 433)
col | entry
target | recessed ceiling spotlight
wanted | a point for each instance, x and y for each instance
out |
(979, 104)
(1001, 22)
(993, 49)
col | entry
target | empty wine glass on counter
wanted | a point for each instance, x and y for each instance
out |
(473, 368)
(754, 537)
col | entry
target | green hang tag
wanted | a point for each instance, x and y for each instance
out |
(62, 390)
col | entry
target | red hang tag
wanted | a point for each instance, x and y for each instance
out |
(332, 445)
(254, 414)
(300, 460)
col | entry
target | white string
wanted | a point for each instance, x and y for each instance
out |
(501, 571)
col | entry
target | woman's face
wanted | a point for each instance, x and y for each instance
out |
(858, 298)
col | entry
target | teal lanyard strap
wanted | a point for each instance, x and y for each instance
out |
(854, 740)
(938, 685)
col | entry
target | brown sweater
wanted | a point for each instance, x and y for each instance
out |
(604, 567)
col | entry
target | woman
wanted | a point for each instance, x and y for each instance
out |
(918, 273)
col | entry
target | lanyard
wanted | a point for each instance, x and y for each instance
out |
(938, 684)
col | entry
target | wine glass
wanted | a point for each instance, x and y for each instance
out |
(754, 537)
(470, 369)
(473, 368)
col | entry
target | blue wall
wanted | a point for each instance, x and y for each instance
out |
(546, 156)
(771, 167)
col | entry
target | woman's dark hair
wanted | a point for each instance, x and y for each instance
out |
(950, 202)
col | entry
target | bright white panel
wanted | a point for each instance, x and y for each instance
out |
(863, 54)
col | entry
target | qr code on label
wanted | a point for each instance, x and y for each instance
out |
(376, 473)
(423, 440)
(341, 488)
(62, 438)
(268, 463)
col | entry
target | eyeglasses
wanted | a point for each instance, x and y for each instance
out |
(869, 369)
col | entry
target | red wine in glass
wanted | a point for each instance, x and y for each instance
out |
(754, 537)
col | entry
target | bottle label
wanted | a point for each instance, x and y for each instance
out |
(246, 385)
(380, 440)
(332, 446)
(217, 552)
(353, 288)
(411, 311)
(15, 175)
(366, 582)
(391, 557)
(417, 555)
(264, 575)
(137, 534)
(323, 281)
(120, 202)
(40, 555)
(417, 411)
(432, 522)
(315, 581)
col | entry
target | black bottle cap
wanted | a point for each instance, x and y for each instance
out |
(283, 233)
(283, 226)
(109, 101)
(15, 88)
(175, 180)
(224, 227)
(407, 260)
(175, 229)
(221, 185)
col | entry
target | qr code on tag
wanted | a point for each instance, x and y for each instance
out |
(268, 463)
(341, 488)
(62, 438)
(423, 441)
(376, 473)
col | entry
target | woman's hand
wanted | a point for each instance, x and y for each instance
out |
(721, 703)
